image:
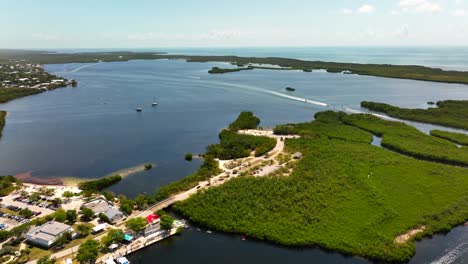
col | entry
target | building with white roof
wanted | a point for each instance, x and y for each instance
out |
(46, 234)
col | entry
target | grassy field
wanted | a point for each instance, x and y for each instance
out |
(380, 70)
(409, 140)
(448, 113)
(458, 138)
(344, 195)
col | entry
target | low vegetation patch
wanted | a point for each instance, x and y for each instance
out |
(99, 184)
(408, 140)
(209, 169)
(458, 138)
(217, 70)
(448, 113)
(8, 184)
(8, 94)
(233, 145)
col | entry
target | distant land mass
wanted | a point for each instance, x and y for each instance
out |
(413, 72)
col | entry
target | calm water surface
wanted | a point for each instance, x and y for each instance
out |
(94, 130)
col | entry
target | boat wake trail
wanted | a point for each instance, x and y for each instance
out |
(354, 111)
(82, 67)
(298, 98)
(453, 255)
(278, 94)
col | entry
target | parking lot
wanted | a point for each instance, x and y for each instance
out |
(13, 203)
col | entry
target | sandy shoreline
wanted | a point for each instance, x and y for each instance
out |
(27, 177)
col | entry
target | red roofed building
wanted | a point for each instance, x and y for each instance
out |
(153, 224)
(152, 218)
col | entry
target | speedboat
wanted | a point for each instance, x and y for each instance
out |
(154, 102)
(139, 109)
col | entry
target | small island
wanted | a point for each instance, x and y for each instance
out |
(217, 70)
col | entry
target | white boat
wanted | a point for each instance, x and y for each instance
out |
(154, 102)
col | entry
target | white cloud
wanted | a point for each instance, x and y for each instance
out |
(366, 9)
(402, 32)
(347, 11)
(419, 6)
(460, 13)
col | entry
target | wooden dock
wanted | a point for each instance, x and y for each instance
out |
(137, 244)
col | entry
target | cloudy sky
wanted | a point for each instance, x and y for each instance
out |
(216, 23)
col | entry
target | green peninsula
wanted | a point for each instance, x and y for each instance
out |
(343, 194)
(449, 113)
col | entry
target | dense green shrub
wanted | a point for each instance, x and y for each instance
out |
(209, 169)
(8, 94)
(8, 184)
(233, 145)
(99, 184)
(217, 70)
(245, 120)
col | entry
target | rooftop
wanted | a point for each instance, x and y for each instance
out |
(98, 206)
(48, 231)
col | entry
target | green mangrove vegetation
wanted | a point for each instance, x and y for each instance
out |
(233, 145)
(380, 70)
(245, 120)
(209, 169)
(8, 184)
(410, 141)
(326, 125)
(458, 138)
(99, 184)
(2, 121)
(8, 94)
(344, 194)
(217, 70)
(449, 113)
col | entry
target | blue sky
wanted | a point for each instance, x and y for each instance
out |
(210, 23)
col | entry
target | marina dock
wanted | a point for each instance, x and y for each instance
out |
(137, 244)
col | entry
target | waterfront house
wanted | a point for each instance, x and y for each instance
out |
(47, 234)
(154, 224)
